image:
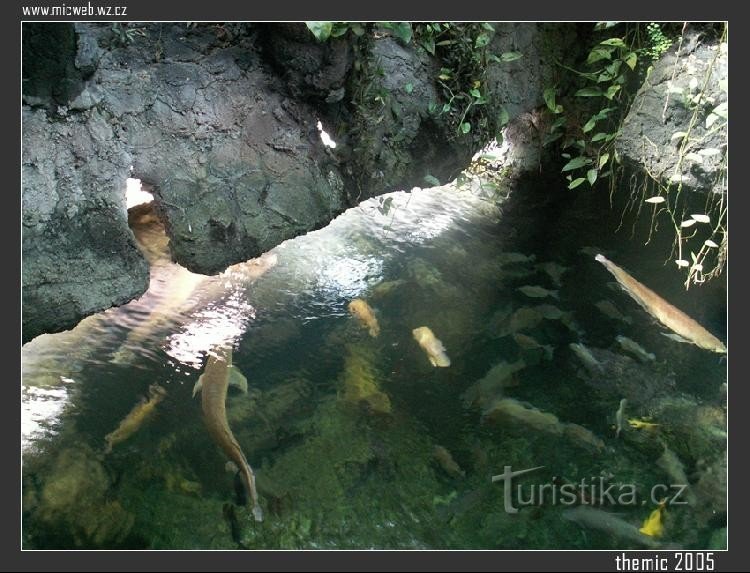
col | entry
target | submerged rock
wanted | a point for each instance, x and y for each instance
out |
(74, 501)
(360, 379)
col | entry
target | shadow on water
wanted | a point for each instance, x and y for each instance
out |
(358, 441)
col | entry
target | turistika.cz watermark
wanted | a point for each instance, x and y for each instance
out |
(596, 491)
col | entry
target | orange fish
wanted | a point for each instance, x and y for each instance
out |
(365, 315)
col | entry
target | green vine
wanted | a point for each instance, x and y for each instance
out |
(588, 124)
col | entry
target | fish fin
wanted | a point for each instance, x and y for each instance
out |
(237, 379)
(675, 337)
(257, 513)
(198, 385)
(432, 361)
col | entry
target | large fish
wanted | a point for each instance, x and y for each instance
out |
(135, 419)
(670, 316)
(592, 518)
(213, 383)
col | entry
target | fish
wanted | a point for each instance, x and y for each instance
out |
(510, 258)
(135, 419)
(598, 519)
(533, 349)
(493, 384)
(673, 467)
(432, 346)
(591, 363)
(611, 311)
(366, 316)
(635, 349)
(583, 437)
(620, 417)
(446, 461)
(554, 270)
(385, 288)
(641, 424)
(670, 316)
(534, 291)
(213, 385)
(515, 413)
(653, 525)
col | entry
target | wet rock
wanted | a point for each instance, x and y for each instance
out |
(220, 120)
(74, 501)
(79, 256)
(664, 107)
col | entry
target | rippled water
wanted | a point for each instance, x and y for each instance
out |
(358, 441)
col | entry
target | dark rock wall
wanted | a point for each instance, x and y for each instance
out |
(220, 121)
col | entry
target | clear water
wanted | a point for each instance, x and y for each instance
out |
(338, 464)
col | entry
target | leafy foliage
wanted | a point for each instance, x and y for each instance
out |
(465, 54)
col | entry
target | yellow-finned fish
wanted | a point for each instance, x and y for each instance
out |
(365, 315)
(653, 525)
(432, 346)
(670, 316)
(641, 424)
(213, 385)
(135, 419)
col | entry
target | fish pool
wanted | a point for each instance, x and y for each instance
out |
(357, 441)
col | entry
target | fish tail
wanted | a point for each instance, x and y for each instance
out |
(249, 478)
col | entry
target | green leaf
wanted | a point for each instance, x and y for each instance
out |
(489, 27)
(432, 108)
(721, 110)
(465, 127)
(339, 29)
(603, 160)
(598, 54)
(431, 180)
(600, 136)
(589, 92)
(499, 138)
(445, 74)
(402, 30)
(409, 88)
(357, 28)
(474, 92)
(482, 40)
(549, 99)
(576, 163)
(321, 30)
(614, 67)
(429, 45)
(604, 25)
(560, 121)
(385, 206)
(591, 175)
(446, 107)
(616, 42)
(510, 56)
(550, 138)
(576, 182)
(504, 117)
(589, 125)
(612, 91)
(631, 60)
